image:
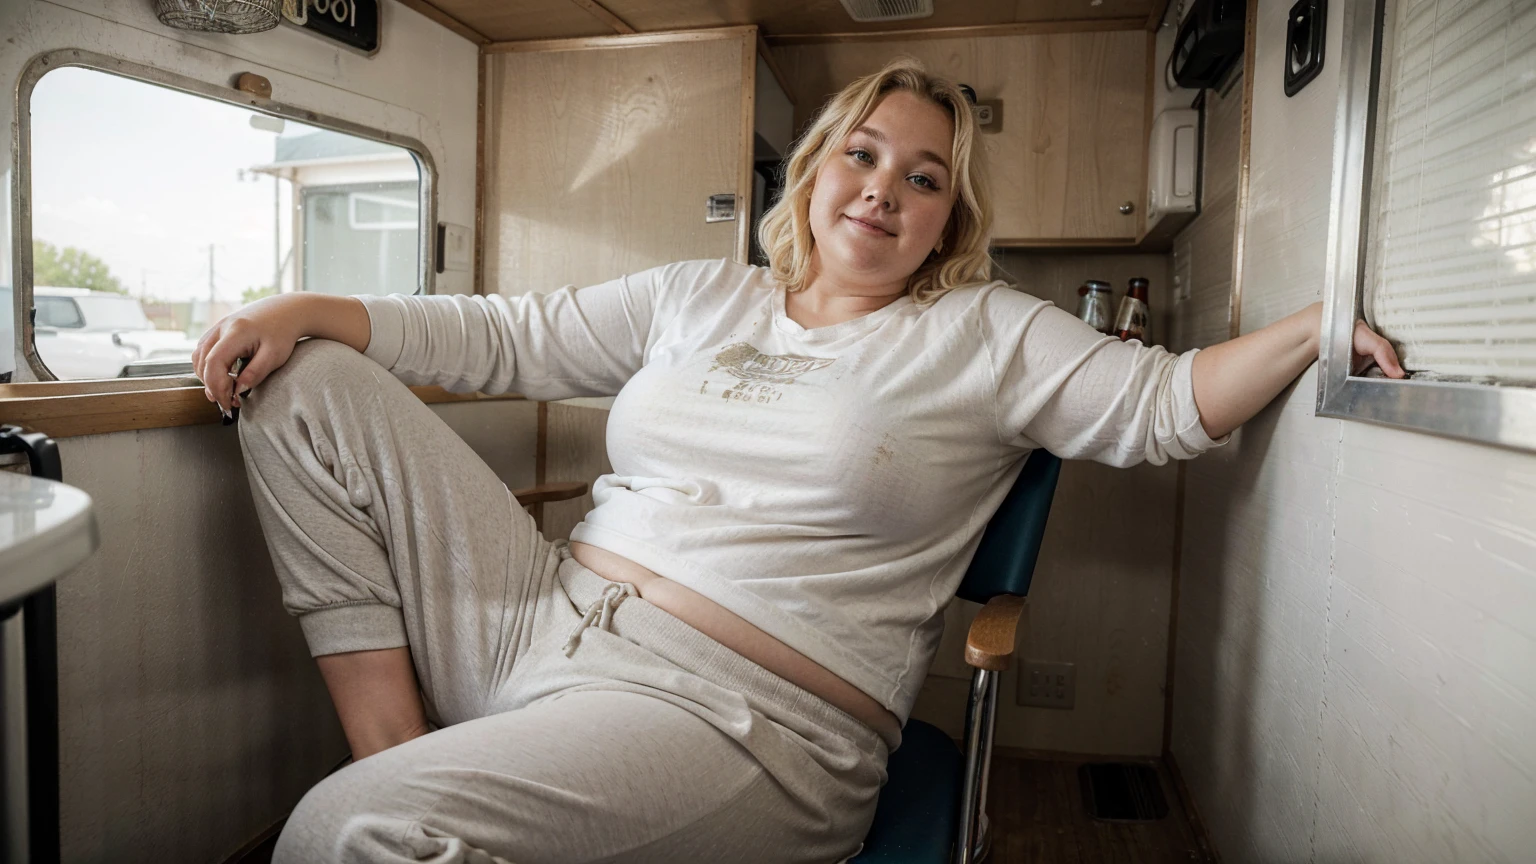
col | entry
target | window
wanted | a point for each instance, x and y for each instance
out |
(369, 232)
(157, 208)
(57, 312)
(1435, 217)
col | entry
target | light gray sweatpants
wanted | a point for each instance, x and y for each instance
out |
(579, 722)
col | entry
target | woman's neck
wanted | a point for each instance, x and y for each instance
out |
(826, 301)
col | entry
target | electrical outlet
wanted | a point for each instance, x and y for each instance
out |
(1047, 685)
(989, 115)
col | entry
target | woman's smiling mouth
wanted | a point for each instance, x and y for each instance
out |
(868, 227)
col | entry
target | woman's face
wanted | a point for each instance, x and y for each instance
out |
(882, 199)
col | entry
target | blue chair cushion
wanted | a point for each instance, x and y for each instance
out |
(915, 821)
(1005, 558)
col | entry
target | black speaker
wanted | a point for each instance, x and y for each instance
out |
(1210, 40)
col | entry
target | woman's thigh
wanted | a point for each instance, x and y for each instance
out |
(386, 529)
(589, 776)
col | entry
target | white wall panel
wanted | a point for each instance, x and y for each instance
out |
(1357, 619)
(1253, 599)
(1288, 177)
(1429, 696)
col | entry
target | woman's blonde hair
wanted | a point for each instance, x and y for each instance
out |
(961, 259)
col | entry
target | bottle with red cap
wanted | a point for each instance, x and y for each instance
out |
(1131, 322)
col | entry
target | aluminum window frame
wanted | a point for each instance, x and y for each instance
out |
(21, 168)
(1503, 416)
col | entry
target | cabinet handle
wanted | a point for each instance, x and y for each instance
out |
(1127, 208)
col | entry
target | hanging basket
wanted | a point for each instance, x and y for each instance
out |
(219, 16)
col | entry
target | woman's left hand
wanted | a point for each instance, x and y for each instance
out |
(1234, 380)
(1372, 347)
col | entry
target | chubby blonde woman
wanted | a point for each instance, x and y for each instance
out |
(718, 664)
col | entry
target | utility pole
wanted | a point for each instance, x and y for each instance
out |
(277, 236)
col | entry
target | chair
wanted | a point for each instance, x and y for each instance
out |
(931, 810)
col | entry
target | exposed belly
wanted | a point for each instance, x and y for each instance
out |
(739, 635)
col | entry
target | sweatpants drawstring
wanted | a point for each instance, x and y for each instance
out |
(600, 611)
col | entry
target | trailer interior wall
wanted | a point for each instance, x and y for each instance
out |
(1357, 605)
(1100, 599)
(192, 717)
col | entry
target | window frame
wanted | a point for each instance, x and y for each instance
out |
(21, 171)
(1503, 416)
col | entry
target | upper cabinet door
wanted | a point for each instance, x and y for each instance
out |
(600, 161)
(1068, 148)
(1088, 151)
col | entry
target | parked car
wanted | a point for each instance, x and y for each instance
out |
(95, 334)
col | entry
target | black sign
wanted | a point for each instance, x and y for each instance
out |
(354, 23)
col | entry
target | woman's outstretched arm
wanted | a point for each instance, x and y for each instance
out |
(1235, 380)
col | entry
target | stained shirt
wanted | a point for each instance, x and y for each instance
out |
(829, 485)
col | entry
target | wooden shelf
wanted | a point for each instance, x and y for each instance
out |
(64, 409)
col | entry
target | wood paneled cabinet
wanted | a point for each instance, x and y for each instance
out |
(1069, 149)
(600, 155)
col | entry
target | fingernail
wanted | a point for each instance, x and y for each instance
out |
(208, 393)
(234, 374)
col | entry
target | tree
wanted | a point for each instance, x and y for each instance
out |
(71, 268)
(256, 292)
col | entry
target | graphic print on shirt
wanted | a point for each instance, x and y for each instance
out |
(760, 375)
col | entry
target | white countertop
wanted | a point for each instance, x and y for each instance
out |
(46, 529)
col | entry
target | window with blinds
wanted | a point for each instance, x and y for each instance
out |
(1451, 262)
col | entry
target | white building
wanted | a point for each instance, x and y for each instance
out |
(354, 215)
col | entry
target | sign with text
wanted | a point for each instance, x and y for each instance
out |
(353, 23)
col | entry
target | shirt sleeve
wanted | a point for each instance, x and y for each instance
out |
(1080, 394)
(568, 343)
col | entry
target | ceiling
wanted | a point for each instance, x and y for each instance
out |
(510, 20)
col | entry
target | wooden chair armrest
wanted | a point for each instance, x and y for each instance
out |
(990, 642)
(546, 492)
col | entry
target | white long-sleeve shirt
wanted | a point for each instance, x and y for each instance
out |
(828, 485)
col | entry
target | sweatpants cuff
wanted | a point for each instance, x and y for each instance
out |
(353, 627)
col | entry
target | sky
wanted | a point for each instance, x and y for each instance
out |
(147, 178)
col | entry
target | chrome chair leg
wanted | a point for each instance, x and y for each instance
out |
(971, 845)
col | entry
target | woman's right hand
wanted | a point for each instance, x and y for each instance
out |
(263, 332)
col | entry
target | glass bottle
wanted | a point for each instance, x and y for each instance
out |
(1093, 304)
(1131, 322)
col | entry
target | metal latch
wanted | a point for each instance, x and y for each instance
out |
(721, 208)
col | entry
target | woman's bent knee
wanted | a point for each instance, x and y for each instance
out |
(319, 369)
(345, 818)
(323, 389)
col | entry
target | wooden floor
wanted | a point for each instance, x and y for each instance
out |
(1037, 813)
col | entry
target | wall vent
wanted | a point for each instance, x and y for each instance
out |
(865, 11)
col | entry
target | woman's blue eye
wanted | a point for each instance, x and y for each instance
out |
(924, 181)
(861, 155)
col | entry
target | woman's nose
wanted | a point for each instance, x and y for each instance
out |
(879, 192)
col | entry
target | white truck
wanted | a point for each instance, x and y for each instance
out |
(95, 334)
